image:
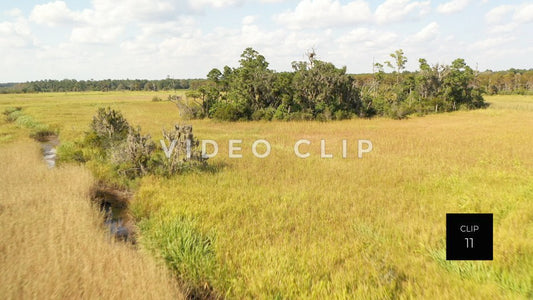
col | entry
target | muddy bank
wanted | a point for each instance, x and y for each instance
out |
(114, 204)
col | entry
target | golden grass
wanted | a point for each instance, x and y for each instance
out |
(368, 228)
(510, 102)
(52, 241)
(315, 228)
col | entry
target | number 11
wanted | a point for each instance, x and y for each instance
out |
(469, 242)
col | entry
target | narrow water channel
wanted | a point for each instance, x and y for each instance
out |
(48, 146)
(113, 203)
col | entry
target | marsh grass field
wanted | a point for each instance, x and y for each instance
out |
(53, 244)
(285, 227)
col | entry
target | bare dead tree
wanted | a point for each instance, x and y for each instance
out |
(185, 151)
(311, 56)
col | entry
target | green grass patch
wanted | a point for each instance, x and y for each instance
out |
(187, 252)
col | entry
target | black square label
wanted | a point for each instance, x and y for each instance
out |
(469, 237)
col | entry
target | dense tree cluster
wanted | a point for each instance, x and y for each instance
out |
(72, 85)
(318, 90)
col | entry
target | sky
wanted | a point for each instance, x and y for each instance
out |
(155, 39)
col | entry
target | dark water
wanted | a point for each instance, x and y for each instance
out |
(115, 221)
(115, 208)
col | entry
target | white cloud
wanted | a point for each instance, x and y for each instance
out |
(201, 4)
(507, 18)
(427, 33)
(248, 20)
(497, 14)
(524, 14)
(14, 13)
(126, 11)
(15, 33)
(105, 21)
(493, 46)
(399, 10)
(324, 13)
(95, 35)
(452, 6)
(186, 38)
(52, 14)
(366, 37)
(492, 42)
(502, 28)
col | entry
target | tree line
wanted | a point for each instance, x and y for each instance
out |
(319, 90)
(512, 81)
(72, 85)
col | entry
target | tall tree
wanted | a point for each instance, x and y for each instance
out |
(398, 63)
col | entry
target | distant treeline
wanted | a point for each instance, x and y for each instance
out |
(72, 85)
(512, 81)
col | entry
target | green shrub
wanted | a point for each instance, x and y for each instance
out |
(133, 156)
(399, 111)
(26, 121)
(13, 116)
(11, 109)
(258, 115)
(299, 116)
(12, 113)
(269, 113)
(229, 111)
(265, 114)
(109, 127)
(186, 251)
(341, 115)
(281, 113)
(70, 152)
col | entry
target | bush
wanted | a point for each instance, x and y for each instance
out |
(229, 111)
(264, 114)
(188, 109)
(134, 155)
(109, 127)
(299, 116)
(341, 115)
(26, 121)
(70, 152)
(195, 112)
(269, 114)
(398, 111)
(13, 116)
(156, 99)
(12, 113)
(178, 161)
(258, 115)
(281, 113)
